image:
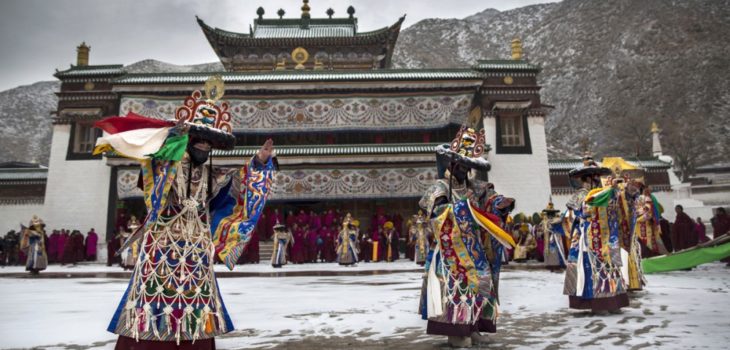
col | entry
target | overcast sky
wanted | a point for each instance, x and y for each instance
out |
(38, 36)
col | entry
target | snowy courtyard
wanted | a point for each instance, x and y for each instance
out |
(375, 310)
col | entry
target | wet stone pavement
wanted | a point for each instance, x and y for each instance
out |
(377, 310)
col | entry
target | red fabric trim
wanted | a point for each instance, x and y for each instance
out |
(131, 121)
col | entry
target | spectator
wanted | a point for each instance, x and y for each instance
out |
(700, 231)
(683, 230)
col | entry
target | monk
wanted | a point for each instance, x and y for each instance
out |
(91, 240)
(311, 243)
(61, 247)
(328, 252)
(392, 241)
(298, 251)
(53, 247)
(683, 235)
(721, 226)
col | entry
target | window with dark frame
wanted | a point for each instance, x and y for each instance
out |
(512, 131)
(82, 141)
(84, 138)
(513, 134)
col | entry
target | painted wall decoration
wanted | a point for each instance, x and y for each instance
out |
(324, 184)
(127, 184)
(352, 183)
(324, 114)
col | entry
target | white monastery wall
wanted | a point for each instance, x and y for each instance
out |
(77, 192)
(12, 215)
(525, 177)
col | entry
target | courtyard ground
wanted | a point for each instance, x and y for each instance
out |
(372, 306)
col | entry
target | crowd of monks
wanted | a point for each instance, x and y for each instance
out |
(62, 247)
(314, 236)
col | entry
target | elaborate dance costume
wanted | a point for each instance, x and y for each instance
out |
(419, 239)
(526, 243)
(347, 251)
(129, 254)
(554, 251)
(194, 212)
(390, 235)
(33, 245)
(459, 294)
(593, 277)
(282, 239)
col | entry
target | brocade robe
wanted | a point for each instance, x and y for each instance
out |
(173, 294)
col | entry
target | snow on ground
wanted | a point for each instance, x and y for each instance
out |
(678, 310)
(263, 267)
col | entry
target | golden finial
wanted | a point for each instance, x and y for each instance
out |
(305, 9)
(82, 54)
(516, 49)
(214, 89)
(654, 128)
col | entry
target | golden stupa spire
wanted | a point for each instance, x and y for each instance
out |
(654, 128)
(82, 54)
(516, 49)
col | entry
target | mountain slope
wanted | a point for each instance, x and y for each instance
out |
(26, 122)
(610, 68)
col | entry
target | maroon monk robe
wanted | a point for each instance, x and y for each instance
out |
(112, 246)
(312, 248)
(53, 247)
(61, 247)
(302, 218)
(298, 249)
(328, 252)
(701, 233)
(79, 250)
(329, 218)
(273, 219)
(683, 235)
(251, 254)
(91, 240)
(290, 219)
(721, 226)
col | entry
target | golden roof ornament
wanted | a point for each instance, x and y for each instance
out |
(214, 89)
(516, 49)
(305, 9)
(299, 56)
(654, 128)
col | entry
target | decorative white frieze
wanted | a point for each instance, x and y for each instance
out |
(325, 114)
(352, 183)
(127, 184)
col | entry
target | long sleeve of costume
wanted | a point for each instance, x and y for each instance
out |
(236, 209)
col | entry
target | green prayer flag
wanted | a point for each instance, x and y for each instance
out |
(686, 259)
(173, 149)
(602, 198)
